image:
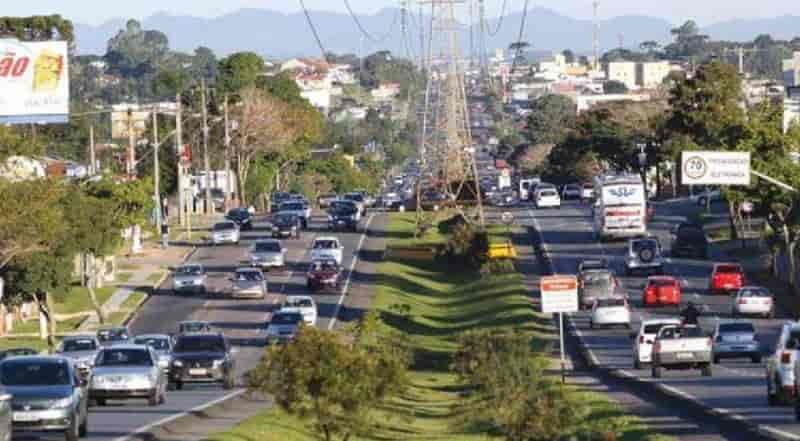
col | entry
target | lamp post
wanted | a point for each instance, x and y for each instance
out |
(642, 156)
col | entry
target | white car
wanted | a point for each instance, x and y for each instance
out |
(304, 305)
(324, 248)
(547, 198)
(643, 340)
(225, 232)
(610, 311)
(782, 366)
(753, 300)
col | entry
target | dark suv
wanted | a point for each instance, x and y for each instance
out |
(242, 218)
(343, 216)
(202, 358)
(690, 241)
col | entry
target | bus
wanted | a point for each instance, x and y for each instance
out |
(620, 207)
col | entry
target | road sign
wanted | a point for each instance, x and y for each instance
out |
(559, 294)
(507, 218)
(715, 168)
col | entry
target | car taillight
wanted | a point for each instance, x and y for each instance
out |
(786, 357)
(708, 342)
(742, 301)
(657, 346)
(641, 339)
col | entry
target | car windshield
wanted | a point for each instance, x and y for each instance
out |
(238, 213)
(250, 276)
(159, 344)
(653, 329)
(35, 373)
(286, 318)
(285, 219)
(597, 279)
(199, 344)
(640, 245)
(124, 357)
(325, 244)
(344, 209)
(267, 247)
(354, 197)
(676, 332)
(610, 303)
(662, 282)
(222, 226)
(299, 303)
(754, 292)
(725, 328)
(292, 206)
(217, 193)
(84, 344)
(194, 327)
(189, 271)
(547, 193)
(729, 269)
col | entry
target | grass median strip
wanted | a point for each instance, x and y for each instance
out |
(432, 304)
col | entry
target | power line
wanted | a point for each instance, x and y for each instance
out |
(519, 38)
(499, 20)
(364, 31)
(314, 30)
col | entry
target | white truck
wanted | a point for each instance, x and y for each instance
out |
(325, 248)
(620, 207)
(681, 347)
(527, 186)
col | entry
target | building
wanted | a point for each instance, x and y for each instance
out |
(651, 74)
(306, 64)
(385, 92)
(622, 71)
(316, 88)
(791, 71)
(791, 107)
(586, 102)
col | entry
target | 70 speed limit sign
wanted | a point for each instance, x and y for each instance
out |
(715, 168)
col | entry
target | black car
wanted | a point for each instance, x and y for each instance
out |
(343, 216)
(690, 241)
(111, 336)
(202, 358)
(286, 225)
(277, 199)
(242, 218)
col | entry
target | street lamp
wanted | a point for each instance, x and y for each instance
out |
(642, 156)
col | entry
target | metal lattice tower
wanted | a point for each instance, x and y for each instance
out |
(596, 36)
(484, 56)
(450, 145)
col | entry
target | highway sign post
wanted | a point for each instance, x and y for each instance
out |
(715, 168)
(559, 294)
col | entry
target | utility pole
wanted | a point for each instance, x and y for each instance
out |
(422, 57)
(471, 33)
(156, 172)
(228, 179)
(596, 37)
(209, 206)
(92, 158)
(183, 204)
(130, 163)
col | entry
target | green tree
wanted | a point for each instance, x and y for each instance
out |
(552, 116)
(240, 71)
(334, 381)
(130, 202)
(134, 52)
(569, 56)
(37, 28)
(32, 220)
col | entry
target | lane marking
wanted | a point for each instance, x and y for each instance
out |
(171, 418)
(346, 286)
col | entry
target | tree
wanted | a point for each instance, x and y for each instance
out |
(614, 87)
(569, 56)
(688, 41)
(552, 116)
(37, 28)
(32, 220)
(333, 380)
(240, 71)
(204, 64)
(134, 52)
(130, 202)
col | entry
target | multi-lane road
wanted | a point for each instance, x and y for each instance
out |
(737, 388)
(240, 320)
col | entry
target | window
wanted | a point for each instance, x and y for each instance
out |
(725, 328)
(325, 244)
(267, 247)
(124, 357)
(610, 303)
(736, 269)
(79, 345)
(653, 329)
(189, 271)
(754, 292)
(159, 344)
(286, 318)
(300, 303)
(199, 344)
(249, 276)
(35, 373)
(222, 226)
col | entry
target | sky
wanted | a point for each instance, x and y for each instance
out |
(677, 11)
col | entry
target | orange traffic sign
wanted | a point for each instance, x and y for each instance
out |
(559, 293)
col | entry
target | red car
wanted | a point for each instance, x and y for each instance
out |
(323, 273)
(662, 290)
(726, 277)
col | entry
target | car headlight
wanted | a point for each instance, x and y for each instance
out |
(330, 218)
(177, 363)
(218, 363)
(61, 403)
(275, 229)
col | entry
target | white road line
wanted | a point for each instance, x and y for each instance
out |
(346, 286)
(171, 418)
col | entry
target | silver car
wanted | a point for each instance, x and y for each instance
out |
(225, 232)
(267, 254)
(283, 326)
(82, 349)
(644, 255)
(249, 283)
(128, 372)
(597, 284)
(190, 277)
(736, 340)
(161, 344)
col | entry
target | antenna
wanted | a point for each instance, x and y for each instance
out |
(596, 36)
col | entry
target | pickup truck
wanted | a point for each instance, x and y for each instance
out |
(682, 347)
(327, 248)
(297, 208)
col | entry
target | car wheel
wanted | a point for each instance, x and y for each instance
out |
(734, 314)
(228, 383)
(706, 370)
(591, 324)
(83, 429)
(637, 364)
(178, 385)
(73, 431)
(657, 371)
(716, 360)
(100, 402)
(153, 399)
(756, 359)
(771, 314)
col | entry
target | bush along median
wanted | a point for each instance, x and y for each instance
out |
(447, 353)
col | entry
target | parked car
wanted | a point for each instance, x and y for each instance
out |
(217, 198)
(276, 199)
(202, 358)
(596, 284)
(571, 191)
(194, 327)
(736, 340)
(726, 277)
(267, 253)
(286, 225)
(681, 347)
(753, 300)
(323, 273)
(190, 277)
(644, 255)
(546, 198)
(283, 326)
(643, 340)
(242, 218)
(128, 372)
(161, 344)
(112, 336)
(305, 305)
(782, 366)
(82, 349)
(249, 283)
(297, 208)
(48, 395)
(661, 291)
(612, 311)
(225, 232)
(690, 241)
(325, 200)
(327, 247)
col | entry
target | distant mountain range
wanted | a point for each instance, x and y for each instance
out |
(280, 35)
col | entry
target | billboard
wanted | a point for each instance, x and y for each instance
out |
(715, 168)
(121, 120)
(34, 82)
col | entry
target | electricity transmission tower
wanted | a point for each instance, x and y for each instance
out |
(449, 150)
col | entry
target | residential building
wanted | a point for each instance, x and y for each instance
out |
(306, 64)
(791, 107)
(622, 71)
(385, 92)
(651, 74)
(586, 102)
(316, 88)
(791, 71)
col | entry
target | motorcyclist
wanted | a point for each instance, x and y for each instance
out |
(690, 314)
